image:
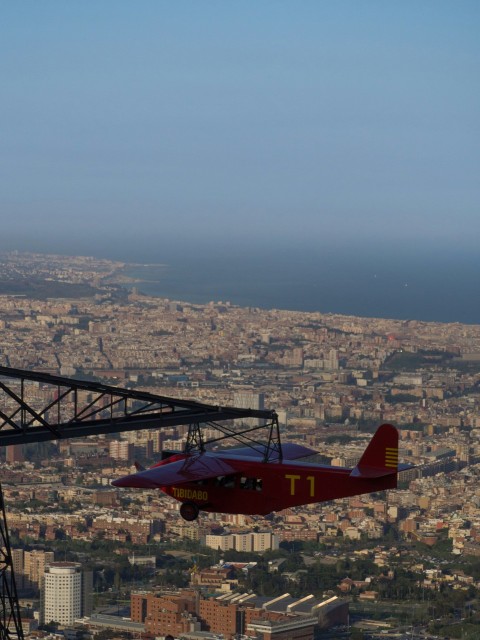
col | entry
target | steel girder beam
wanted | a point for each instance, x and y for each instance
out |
(10, 621)
(36, 407)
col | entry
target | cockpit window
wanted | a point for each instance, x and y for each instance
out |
(228, 482)
(252, 484)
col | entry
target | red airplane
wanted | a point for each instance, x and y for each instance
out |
(240, 481)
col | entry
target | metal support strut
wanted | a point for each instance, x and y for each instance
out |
(70, 408)
(10, 621)
(194, 439)
(273, 450)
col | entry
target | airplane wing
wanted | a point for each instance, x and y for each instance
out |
(290, 451)
(189, 469)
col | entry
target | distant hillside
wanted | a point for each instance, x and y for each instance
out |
(42, 289)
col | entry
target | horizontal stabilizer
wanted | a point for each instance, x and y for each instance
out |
(189, 469)
(371, 472)
(405, 467)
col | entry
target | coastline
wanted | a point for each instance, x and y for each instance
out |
(421, 289)
(417, 295)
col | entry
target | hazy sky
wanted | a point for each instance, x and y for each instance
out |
(310, 121)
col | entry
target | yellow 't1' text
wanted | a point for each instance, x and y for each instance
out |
(293, 486)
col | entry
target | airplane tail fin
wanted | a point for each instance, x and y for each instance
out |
(380, 458)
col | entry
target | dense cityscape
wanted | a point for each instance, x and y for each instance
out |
(381, 565)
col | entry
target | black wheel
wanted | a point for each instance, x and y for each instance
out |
(189, 511)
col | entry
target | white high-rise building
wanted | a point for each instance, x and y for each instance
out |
(66, 593)
(264, 540)
(243, 541)
(222, 542)
(249, 400)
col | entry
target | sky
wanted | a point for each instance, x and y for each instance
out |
(313, 122)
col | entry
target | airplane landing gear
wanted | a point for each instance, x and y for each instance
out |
(189, 511)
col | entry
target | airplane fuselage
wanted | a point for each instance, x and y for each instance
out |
(239, 481)
(260, 488)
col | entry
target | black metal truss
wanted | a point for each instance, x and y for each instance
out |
(78, 408)
(69, 408)
(10, 621)
(270, 448)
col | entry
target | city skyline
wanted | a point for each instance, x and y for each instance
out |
(330, 378)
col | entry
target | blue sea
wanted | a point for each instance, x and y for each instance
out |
(402, 281)
(404, 285)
